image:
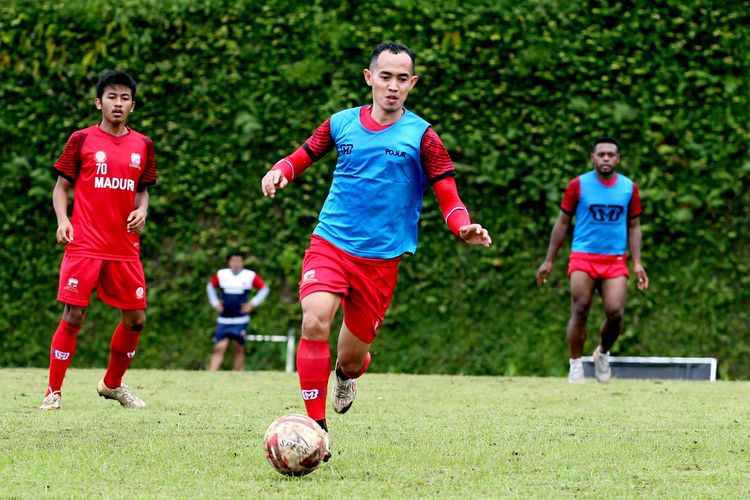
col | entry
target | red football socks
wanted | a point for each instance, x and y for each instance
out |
(61, 352)
(314, 369)
(121, 352)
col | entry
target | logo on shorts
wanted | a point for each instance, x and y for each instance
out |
(309, 277)
(139, 292)
(72, 285)
(135, 160)
(61, 355)
(307, 395)
(131, 354)
(100, 156)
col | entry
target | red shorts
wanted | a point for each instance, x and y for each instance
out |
(117, 283)
(598, 266)
(365, 285)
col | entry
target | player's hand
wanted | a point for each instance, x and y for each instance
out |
(641, 276)
(64, 232)
(543, 273)
(272, 180)
(219, 308)
(246, 308)
(137, 221)
(475, 234)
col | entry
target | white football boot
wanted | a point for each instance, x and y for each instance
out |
(51, 401)
(121, 394)
(602, 370)
(344, 392)
(575, 375)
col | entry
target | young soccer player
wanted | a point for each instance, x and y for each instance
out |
(235, 283)
(110, 167)
(607, 208)
(387, 157)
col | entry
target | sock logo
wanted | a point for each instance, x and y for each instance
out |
(308, 394)
(131, 354)
(61, 355)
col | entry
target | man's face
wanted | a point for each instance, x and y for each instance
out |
(236, 263)
(391, 80)
(116, 104)
(606, 158)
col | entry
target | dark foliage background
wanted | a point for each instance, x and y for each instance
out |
(517, 90)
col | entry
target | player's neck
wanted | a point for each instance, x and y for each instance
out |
(386, 117)
(114, 129)
(607, 180)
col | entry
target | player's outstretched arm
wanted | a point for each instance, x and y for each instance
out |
(291, 167)
(475, 234)
(64, 233)
(559, 230)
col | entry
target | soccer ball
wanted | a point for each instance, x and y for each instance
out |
(295, 445)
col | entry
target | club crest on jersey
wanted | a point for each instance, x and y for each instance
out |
(135, 160)
(345, 149)
(100, 156)
(72, 285)
(307, 395)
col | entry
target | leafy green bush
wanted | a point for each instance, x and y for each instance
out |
(517, 90)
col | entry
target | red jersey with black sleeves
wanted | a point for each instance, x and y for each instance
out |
(106, 171)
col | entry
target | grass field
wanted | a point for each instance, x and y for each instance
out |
(406, 436)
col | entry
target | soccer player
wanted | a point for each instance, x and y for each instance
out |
(235, 283)
(387, 157)
(110, 167)
(607, 208)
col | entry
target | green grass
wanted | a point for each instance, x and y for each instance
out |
(406, 436)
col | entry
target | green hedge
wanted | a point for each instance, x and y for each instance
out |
(517, 90)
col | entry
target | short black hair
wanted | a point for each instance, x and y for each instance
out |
(115, 77)
(236, 253)
(607, 139)
(395, 48)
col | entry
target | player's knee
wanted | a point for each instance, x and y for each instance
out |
(615, 314)
(74, 315)
(315, 328)
(581, 310)
(135, 320)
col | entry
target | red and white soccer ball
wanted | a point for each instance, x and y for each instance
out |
(295, 445)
